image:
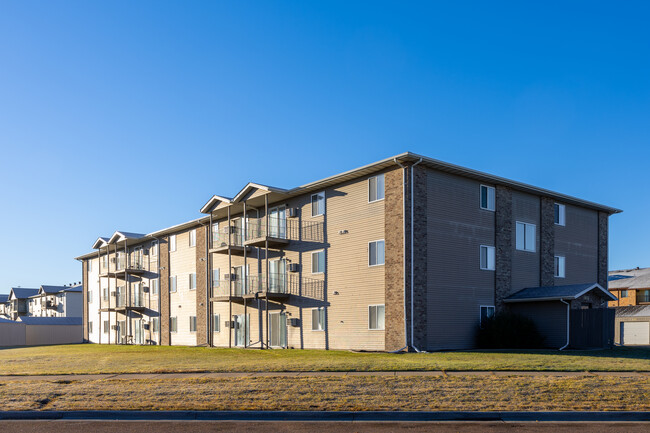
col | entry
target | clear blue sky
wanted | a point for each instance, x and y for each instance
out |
(130, 115)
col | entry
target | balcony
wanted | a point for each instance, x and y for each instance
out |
(121, 301)
(50, 305)
(221, 290)
(123, 266)
(280, 287)
(229, 239)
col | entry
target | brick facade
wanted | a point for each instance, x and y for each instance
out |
(202, 338)
(164, 291)
(420, 242)
(504, 246)
(603, 220)
(547, 242)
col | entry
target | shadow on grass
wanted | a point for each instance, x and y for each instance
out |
(641, 352)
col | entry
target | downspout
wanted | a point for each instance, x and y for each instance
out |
(404, 168)
(411, 179)
(568, 311)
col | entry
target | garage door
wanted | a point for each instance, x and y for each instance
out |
(635, 333)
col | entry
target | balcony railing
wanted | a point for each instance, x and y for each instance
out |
(50, 305)
(280, 283)
(137, 300)
(278, 228)
(131, 265)
(227, 234)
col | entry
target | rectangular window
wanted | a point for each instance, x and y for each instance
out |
(318, 204)
(90, 296)
(560, 214)
(487, 257)
(154, 249)
(318, 262)
(192, 323)
(90, 327)
(153, 284)
(376, 317)
(216, 323)
(559, 266)
(486, 311)
(526, 236)
(105, 261)
(90, 265)
(318, 319)
(173, 324)
(376, 253)
(172, 284)
(192, 281)
(215, 232)
(105, 294)
(623, 293)
(216, 276)
(106, 326)
(156, 324)
(172, 243)
(193, 238)
(487, 197)
(376, 188)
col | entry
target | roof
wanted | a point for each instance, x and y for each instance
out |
(633, 311)
(120, 236)
(23, 293)
(50, 320)
(637, 278)
(556, 293)
(4, 298)
(77, 288)
(52, 289)
(8, 321)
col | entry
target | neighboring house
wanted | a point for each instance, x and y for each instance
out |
(4, 306)
(57, 301)
(19, 301)
(408, 252)
(630, 286)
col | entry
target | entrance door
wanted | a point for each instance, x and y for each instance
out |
(237, 232)
(240, 284)
(121, 331)
(242, 329)
(137, 295)
(278, 276)
(278, 222)
(278, 329)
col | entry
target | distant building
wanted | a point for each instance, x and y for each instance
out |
(630, 286)
(19, 301)
(57, 301)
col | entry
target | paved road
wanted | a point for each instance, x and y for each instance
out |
(300, 427)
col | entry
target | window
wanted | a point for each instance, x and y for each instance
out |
(623, 293)
(318, 262)
(173, 324)
(90, 265)
(487, 258)
(560, 214)
(376, 188)
(486, 311)
(376, 253)
(153, 284)
(192, 323)
(106, 326)
(90, 296)
(172, 243)
(216, 323)
(487, 197)
(90, 327)
(318, 319)
(376, 317)
(172, 284)
(215, 232)
(105, 294)
(105, 261)
(154, 249)
(318, 204)
(156, 324)
(559, 266)
(216, 275)
(192, 281)
(193, 238)
(526, 236)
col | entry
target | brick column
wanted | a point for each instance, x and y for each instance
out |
(201, 288)
(547, 242)
(603, 223)
(394, 260)
(503, 232)
(420, 241)
(163, 256)
(84, 280)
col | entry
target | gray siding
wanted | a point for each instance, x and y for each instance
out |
(525, 264)
(456, 286)
(578, 242)
(549, 317)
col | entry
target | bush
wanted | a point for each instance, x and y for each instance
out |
(509, 331)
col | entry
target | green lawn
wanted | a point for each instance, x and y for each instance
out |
(90, 358)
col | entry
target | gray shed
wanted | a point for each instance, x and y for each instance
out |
(11, 333)
(52, 330)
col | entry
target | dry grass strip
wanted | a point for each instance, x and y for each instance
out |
(489, 393)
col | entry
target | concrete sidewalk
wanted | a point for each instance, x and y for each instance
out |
(199, 375)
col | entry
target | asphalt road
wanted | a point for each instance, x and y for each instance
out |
(56, 426)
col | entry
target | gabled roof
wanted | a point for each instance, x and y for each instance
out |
(78, 288)
(251, 186)
(29, 320)
(49, 290)
(214, 201)
(22, 293)
(100, 243)
(4, 298)
(556, 293)
(120, 236)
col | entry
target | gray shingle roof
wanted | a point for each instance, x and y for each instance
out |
(638, 278)
(632, 311)
(52, 289)
(50, 320)
(553, 293)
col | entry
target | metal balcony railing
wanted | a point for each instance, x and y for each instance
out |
(278, 228)
(134, 264)
(227, 234)
(136, 300)
(287, 283)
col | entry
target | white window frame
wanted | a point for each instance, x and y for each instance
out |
(193, 324)
(480, 316)
(383, 191)
(526, 242)
(154, 249)
(216, 323)
(489, 202)
(192, 281)
(153, 286)
(559, 263)
(489, 249)
(321, 318)
(561, 214)
(172, 243)
(192, 238)
(311, 203)
(369, 309)
(107, 326)
(173, 284)
(377, 242)
(312, 262)
(216, 283)
(173, 324)
(155, 324)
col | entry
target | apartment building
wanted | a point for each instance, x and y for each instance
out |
(630, 286)
(405, 253)
(4, 306)
(19, 302)
(57, 301)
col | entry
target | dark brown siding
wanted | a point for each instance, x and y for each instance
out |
(577, 240)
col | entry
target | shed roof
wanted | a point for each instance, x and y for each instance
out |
(555, 293)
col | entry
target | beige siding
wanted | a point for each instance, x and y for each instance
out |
(182, 263)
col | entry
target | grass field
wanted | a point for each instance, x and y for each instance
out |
(90, 358)
(491, 393)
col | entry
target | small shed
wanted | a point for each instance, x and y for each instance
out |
(11, 333)
(52, 330)
(632, 326)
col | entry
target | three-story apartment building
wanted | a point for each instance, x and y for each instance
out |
(408, 252)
